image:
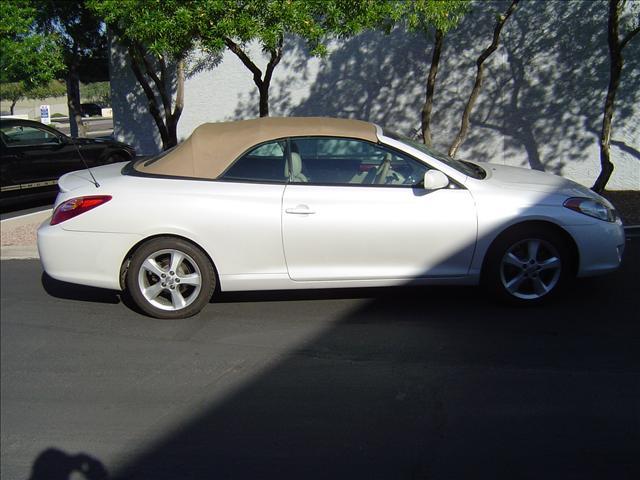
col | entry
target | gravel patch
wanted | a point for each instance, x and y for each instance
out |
(20, 235)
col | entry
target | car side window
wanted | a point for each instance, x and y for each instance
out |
(264, 163)
(19, 135)
(344, 161)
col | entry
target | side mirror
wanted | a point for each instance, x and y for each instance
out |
(435, 180)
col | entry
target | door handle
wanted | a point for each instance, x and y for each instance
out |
(300, 210)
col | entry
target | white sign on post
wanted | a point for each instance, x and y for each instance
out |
(44, 114)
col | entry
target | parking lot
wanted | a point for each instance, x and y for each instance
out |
(94, 127)
(375, 383)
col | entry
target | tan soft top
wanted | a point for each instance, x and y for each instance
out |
(212, 147)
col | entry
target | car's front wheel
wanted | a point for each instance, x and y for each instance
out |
(528, 265)
(170, 278)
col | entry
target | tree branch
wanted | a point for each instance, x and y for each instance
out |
(629, 36)
(276, 56)
(179, 105)
(160, 85)
(615, 70)
(431, 83)
(135, 55)
(244, 58)
(475, 92)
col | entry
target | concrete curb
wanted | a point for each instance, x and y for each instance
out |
(19, 252)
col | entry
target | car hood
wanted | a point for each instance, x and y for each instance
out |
(503, 176)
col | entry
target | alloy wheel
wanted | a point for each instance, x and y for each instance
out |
(530, 269)
(169, 279)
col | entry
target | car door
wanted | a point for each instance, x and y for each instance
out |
(36, 156)
(251, 208)
(355, 212)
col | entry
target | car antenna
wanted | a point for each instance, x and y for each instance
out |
(86, 165)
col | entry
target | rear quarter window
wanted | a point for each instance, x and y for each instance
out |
(264, 163)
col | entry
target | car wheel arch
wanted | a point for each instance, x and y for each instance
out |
(541, 225)
(124, 267)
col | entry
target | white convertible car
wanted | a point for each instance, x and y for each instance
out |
(291, 203)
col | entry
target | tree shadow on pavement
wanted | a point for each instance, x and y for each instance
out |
(432, 383)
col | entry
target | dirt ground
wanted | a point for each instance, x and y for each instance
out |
(627, 203)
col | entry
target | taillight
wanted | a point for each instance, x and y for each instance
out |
(76, 206)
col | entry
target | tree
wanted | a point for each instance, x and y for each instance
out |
(12, 92)
(616, 62)
(155, 79)
(158, 37)
(475, 91)
(96, 92)
(55, 88)
(16, 91)
(237, 23)
(27, 57)
(29, 61)
(83, 38)
(425, 16)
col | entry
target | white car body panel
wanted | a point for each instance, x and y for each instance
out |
(87, 258)
(509, 196)
(369, 232)
(359, 236)
(237, 224)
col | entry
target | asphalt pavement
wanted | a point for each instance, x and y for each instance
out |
(422, 383)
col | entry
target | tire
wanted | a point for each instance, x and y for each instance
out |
(170, 278)
(527, 265)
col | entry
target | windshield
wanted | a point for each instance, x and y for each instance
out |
(470, 169)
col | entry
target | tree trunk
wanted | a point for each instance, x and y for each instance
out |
(615, 71)
(72, 80)
(174, 116)
(276, 55)
(136, 61)
(167, 117)
(464, 125)
(13, 105)
(263, 91)
(431, 85)
(262, 82)
(605, 136)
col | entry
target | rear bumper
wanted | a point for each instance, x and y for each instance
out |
(86, 258)
(600, 246)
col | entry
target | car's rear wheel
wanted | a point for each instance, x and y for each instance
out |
(528, 265)
(170, 278)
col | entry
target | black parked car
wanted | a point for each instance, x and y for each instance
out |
(90, 110)
(34, 156)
